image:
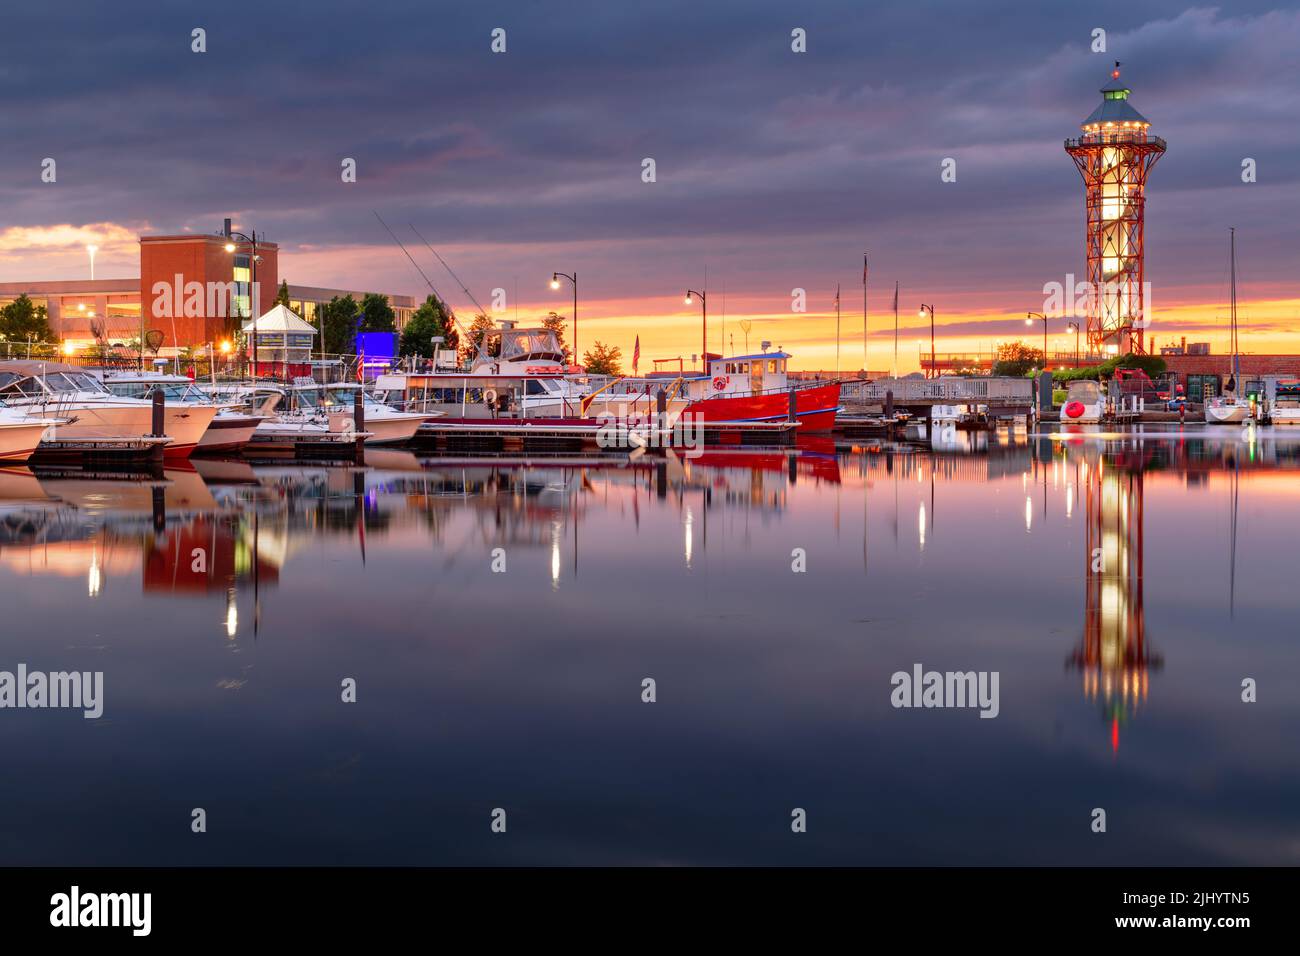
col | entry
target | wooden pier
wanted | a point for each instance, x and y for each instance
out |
(103, 453)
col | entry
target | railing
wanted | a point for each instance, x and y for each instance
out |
(1115, 139)
(956, 390)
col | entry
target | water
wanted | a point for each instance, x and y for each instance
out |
(1119, 689)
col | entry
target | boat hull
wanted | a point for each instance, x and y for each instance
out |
(18, 440)
(1226, 414)
(184, 425)
(815, 407)
(228, 433)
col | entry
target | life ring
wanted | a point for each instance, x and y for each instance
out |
(1073, 409)
(719, 383)
(489, 396)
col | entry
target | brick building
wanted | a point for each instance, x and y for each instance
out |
(191, 288)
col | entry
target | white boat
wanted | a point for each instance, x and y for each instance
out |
(1285, 407)
(20, 434)
(229, 430)
(1084, 402)
(384, 424)
(89, 412)
(1230, 407)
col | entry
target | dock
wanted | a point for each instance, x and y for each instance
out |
(103, 453)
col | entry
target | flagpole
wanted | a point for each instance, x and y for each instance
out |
(895, 372)
(837, 330)
(864, 315)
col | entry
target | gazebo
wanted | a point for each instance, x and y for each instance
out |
(281, 338)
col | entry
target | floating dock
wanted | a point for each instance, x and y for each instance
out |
(104, 453)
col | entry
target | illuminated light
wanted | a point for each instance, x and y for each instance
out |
(69, 348)
(920, 526)
(230, 247)
(232, 615)
(689, 531)
(94, 579)
(1029, 513)
(1069, 500)
(555, 284)
(81, 307)
(226, 347)
(555, 555)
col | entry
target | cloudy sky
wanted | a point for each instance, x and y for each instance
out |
(775, 170)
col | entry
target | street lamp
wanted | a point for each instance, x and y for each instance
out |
(1074, 327)
(1029, 320)
(253, 258)
(933, 372)
(555, 284)
(704, 318)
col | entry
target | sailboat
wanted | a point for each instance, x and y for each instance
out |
(1230, 407)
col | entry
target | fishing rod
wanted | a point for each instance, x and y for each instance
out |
(450, 311)
(463, 287)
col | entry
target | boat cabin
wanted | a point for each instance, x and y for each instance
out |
(743, 375)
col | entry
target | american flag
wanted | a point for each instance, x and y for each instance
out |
(636, 354)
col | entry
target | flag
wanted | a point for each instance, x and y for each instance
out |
(864, 268)
(636, 354)
(895, 296)
(837, 295)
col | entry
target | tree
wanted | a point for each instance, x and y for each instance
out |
(376, 314)
(429, 320)
(556, 324)
(1017, 359)
(603, 359)
(339, 320)
(22, 318)
(478, 329)
(282, 297)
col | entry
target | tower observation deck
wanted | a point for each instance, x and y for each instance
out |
(1114, 155)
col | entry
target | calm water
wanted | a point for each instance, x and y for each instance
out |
(522, 690)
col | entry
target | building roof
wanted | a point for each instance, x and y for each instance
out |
(279, 320)
(1115, 107)
(747, 358)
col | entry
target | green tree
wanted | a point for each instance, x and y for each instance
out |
(339, 320)
(603, 359)
(1016, 359)
(22, 318)
(376, 314)
(556, 323)
(478, 329)
(282, 296)
(429, 320)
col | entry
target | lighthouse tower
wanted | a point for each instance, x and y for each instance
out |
(1114, 154)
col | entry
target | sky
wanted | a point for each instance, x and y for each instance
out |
(774, 170)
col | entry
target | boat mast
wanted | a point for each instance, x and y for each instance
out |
(1236, 361)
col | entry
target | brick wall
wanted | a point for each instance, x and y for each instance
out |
(1252, 366)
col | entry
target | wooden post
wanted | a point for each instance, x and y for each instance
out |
(794, 406)
(159, 413)
(359, 424)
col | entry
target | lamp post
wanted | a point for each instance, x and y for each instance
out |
(1029, 320)
(933, 372)
(555, 284)
(252, 281)
(1074, 327)
(704, 319)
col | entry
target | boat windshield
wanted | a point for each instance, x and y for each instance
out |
(174, 391)
(74, 382)
(1088, 392)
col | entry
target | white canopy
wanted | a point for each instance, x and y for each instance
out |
(279, 321)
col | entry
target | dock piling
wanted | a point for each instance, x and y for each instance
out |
(359, 424)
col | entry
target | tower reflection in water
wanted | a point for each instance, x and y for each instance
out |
(1113, 657)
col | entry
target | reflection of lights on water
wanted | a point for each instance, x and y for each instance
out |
(555, 554)
(690, 529)
(1069, 500)
(232, 614)
(1029, 513)
(94, 580)
(920, 525)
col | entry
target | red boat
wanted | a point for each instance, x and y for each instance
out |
(752, 388)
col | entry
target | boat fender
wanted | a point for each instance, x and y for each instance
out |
(1073, 409)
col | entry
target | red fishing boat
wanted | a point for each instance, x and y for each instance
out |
(754, 388)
